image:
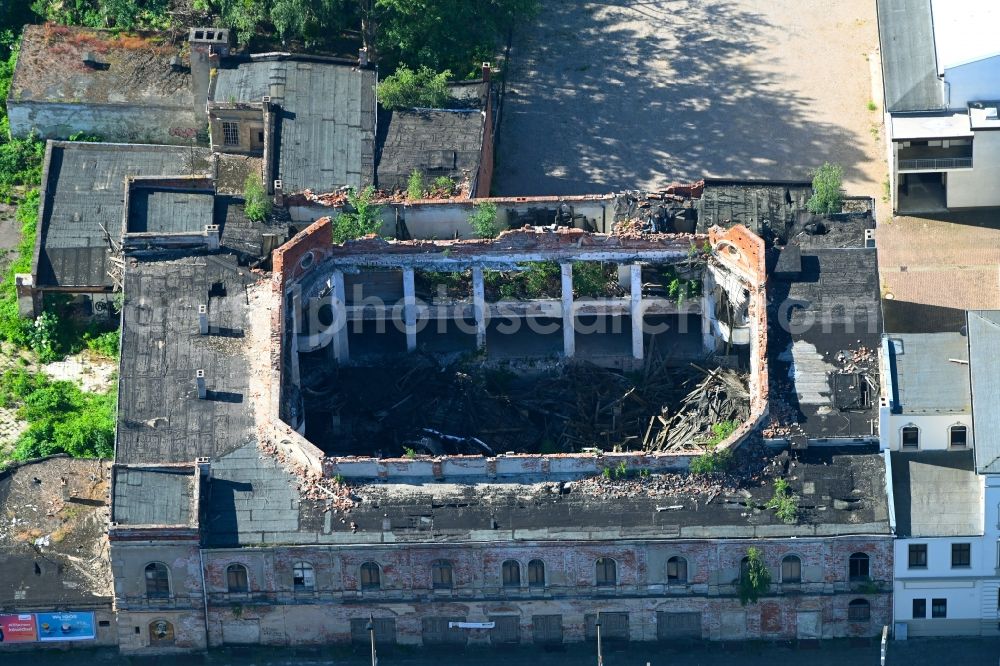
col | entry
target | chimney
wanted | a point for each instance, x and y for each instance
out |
(487, 72)
(91, 60)
(279, 198)
(176, 65)
(199, 376)
(204, 467)
(203, 320)
(362, 57)
(207, 46)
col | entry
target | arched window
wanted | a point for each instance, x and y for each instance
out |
(371, 576)
(441, 575)
(859, 567)
(859, 610)
(910, 437)
(791, 569)
(157, 581)
(536, 573)
(303, 577)
(677, 570)
(237, 579)
(511, 573)
(607, 571)
(958, 436)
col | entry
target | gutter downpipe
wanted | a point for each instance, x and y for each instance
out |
(891, 506)
(204, 595)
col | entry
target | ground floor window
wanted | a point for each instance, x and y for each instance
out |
(939, 608)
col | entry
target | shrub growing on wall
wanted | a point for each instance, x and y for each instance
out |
(256, 205)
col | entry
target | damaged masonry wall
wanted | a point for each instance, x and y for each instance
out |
(737, 265)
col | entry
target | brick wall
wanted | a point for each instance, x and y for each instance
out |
(273, 613)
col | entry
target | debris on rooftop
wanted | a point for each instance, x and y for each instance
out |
(423, 405)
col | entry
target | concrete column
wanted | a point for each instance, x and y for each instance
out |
(568, 319)
(338, 302)
(624, 275)
(479, 305)
(635, 309)
(409, 309)
(707, 311)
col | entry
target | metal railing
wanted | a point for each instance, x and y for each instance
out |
(936, 163)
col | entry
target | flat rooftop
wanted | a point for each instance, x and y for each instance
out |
(154, 210)
(936, 494)
(132, 69)
(825, 325)
(434, 142)
(930, 373)
(161, 418)
(53, 535)
(155, 496)
(254, 501)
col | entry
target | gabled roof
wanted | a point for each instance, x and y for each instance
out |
(984, 358)
(326, 127)
(909, 68)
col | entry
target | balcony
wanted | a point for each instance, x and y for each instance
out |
(933, 158)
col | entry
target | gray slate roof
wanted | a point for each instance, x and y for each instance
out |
(925, 378)
(155, 496)
(326, 127)
(936, 494)
(435, 142)
(83, 191)
(909, 60)
(984, 352)
(160, 417)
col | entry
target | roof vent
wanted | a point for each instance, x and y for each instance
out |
(991, 113)
(203, 320)
(199, 378)
(90, 60)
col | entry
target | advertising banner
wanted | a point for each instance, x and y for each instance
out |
(68, 626)
(17, 628)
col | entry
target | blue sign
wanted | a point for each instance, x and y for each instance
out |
(67, 626)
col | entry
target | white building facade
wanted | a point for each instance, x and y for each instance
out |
(941, 74)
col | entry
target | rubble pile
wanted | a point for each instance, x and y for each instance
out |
(430, 407)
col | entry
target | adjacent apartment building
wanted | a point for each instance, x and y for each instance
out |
(938, 431)
(941, 72)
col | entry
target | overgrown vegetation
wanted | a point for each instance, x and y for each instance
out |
(362, 217)
(827, 196)
(256, 205)
(12, 327)
(785, 505)
(415, 186)
(755, 577)
(444, 186)
(61, 417)
(407, 89)
(483, 220)
(592, 279)
(714, 461)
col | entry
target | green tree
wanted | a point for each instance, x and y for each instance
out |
(363, 218)
(827, 195)
(483, 220)
(755, 577)
(407, 88)
(453, 35)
